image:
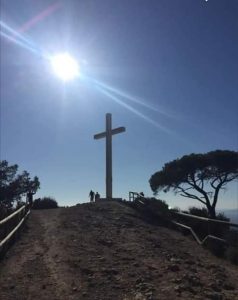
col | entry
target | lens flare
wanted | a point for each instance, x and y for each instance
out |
(133, 110)
(16, 38)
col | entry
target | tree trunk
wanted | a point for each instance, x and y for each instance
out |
(211, 212)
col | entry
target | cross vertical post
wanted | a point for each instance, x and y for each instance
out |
(109, 156)
(108, 135)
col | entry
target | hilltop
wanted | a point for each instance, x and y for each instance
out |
(106, 250)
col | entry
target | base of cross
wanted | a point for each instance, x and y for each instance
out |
(106, 199)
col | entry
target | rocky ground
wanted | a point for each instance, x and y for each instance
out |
(107, 251)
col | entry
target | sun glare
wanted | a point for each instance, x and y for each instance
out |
(65, 66)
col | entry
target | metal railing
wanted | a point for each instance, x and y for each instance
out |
(205, 219)
(11, 224)
(140, 198)
(202, 219)
(135, 195)
(200, 242)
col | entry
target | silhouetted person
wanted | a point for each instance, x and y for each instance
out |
(97, 196)
(30, 199)
(91, 195)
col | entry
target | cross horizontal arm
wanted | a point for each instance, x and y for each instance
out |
(99, 135)
(114, 131)
(118, 130)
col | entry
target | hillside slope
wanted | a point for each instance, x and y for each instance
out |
(107, 251)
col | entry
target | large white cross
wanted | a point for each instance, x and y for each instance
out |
(108, 135)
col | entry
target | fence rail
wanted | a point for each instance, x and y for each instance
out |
(12, 215)
(11, 224)
(200, 242)
(205, 219)
(140, 198)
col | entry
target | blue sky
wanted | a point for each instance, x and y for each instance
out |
(178, 57)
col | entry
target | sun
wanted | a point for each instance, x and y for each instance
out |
(65, 66)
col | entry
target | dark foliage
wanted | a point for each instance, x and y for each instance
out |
(232, 251)
(157, 205)
(200, 212)
(45, 203)
(192, 174)
(152, 210)
(13, 186)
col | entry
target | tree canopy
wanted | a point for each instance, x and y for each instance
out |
(13, 186)
(198, 176)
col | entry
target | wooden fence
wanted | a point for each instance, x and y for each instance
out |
(10, 226)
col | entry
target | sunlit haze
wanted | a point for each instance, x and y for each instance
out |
(65, 66)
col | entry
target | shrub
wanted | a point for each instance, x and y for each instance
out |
(152, 209)
(200, 212)
(158, 206)
(175, 209)
(45, 203)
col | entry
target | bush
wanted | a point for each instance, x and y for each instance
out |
(175, 209)
(155, 205)
(45, 203)
(200, 212)
(158, 206)
(152, 209)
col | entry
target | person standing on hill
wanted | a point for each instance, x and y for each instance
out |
(97, 196)
(91, 195)
(29, 196)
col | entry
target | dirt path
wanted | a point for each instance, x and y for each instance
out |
(25, 273)
(106, 251)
